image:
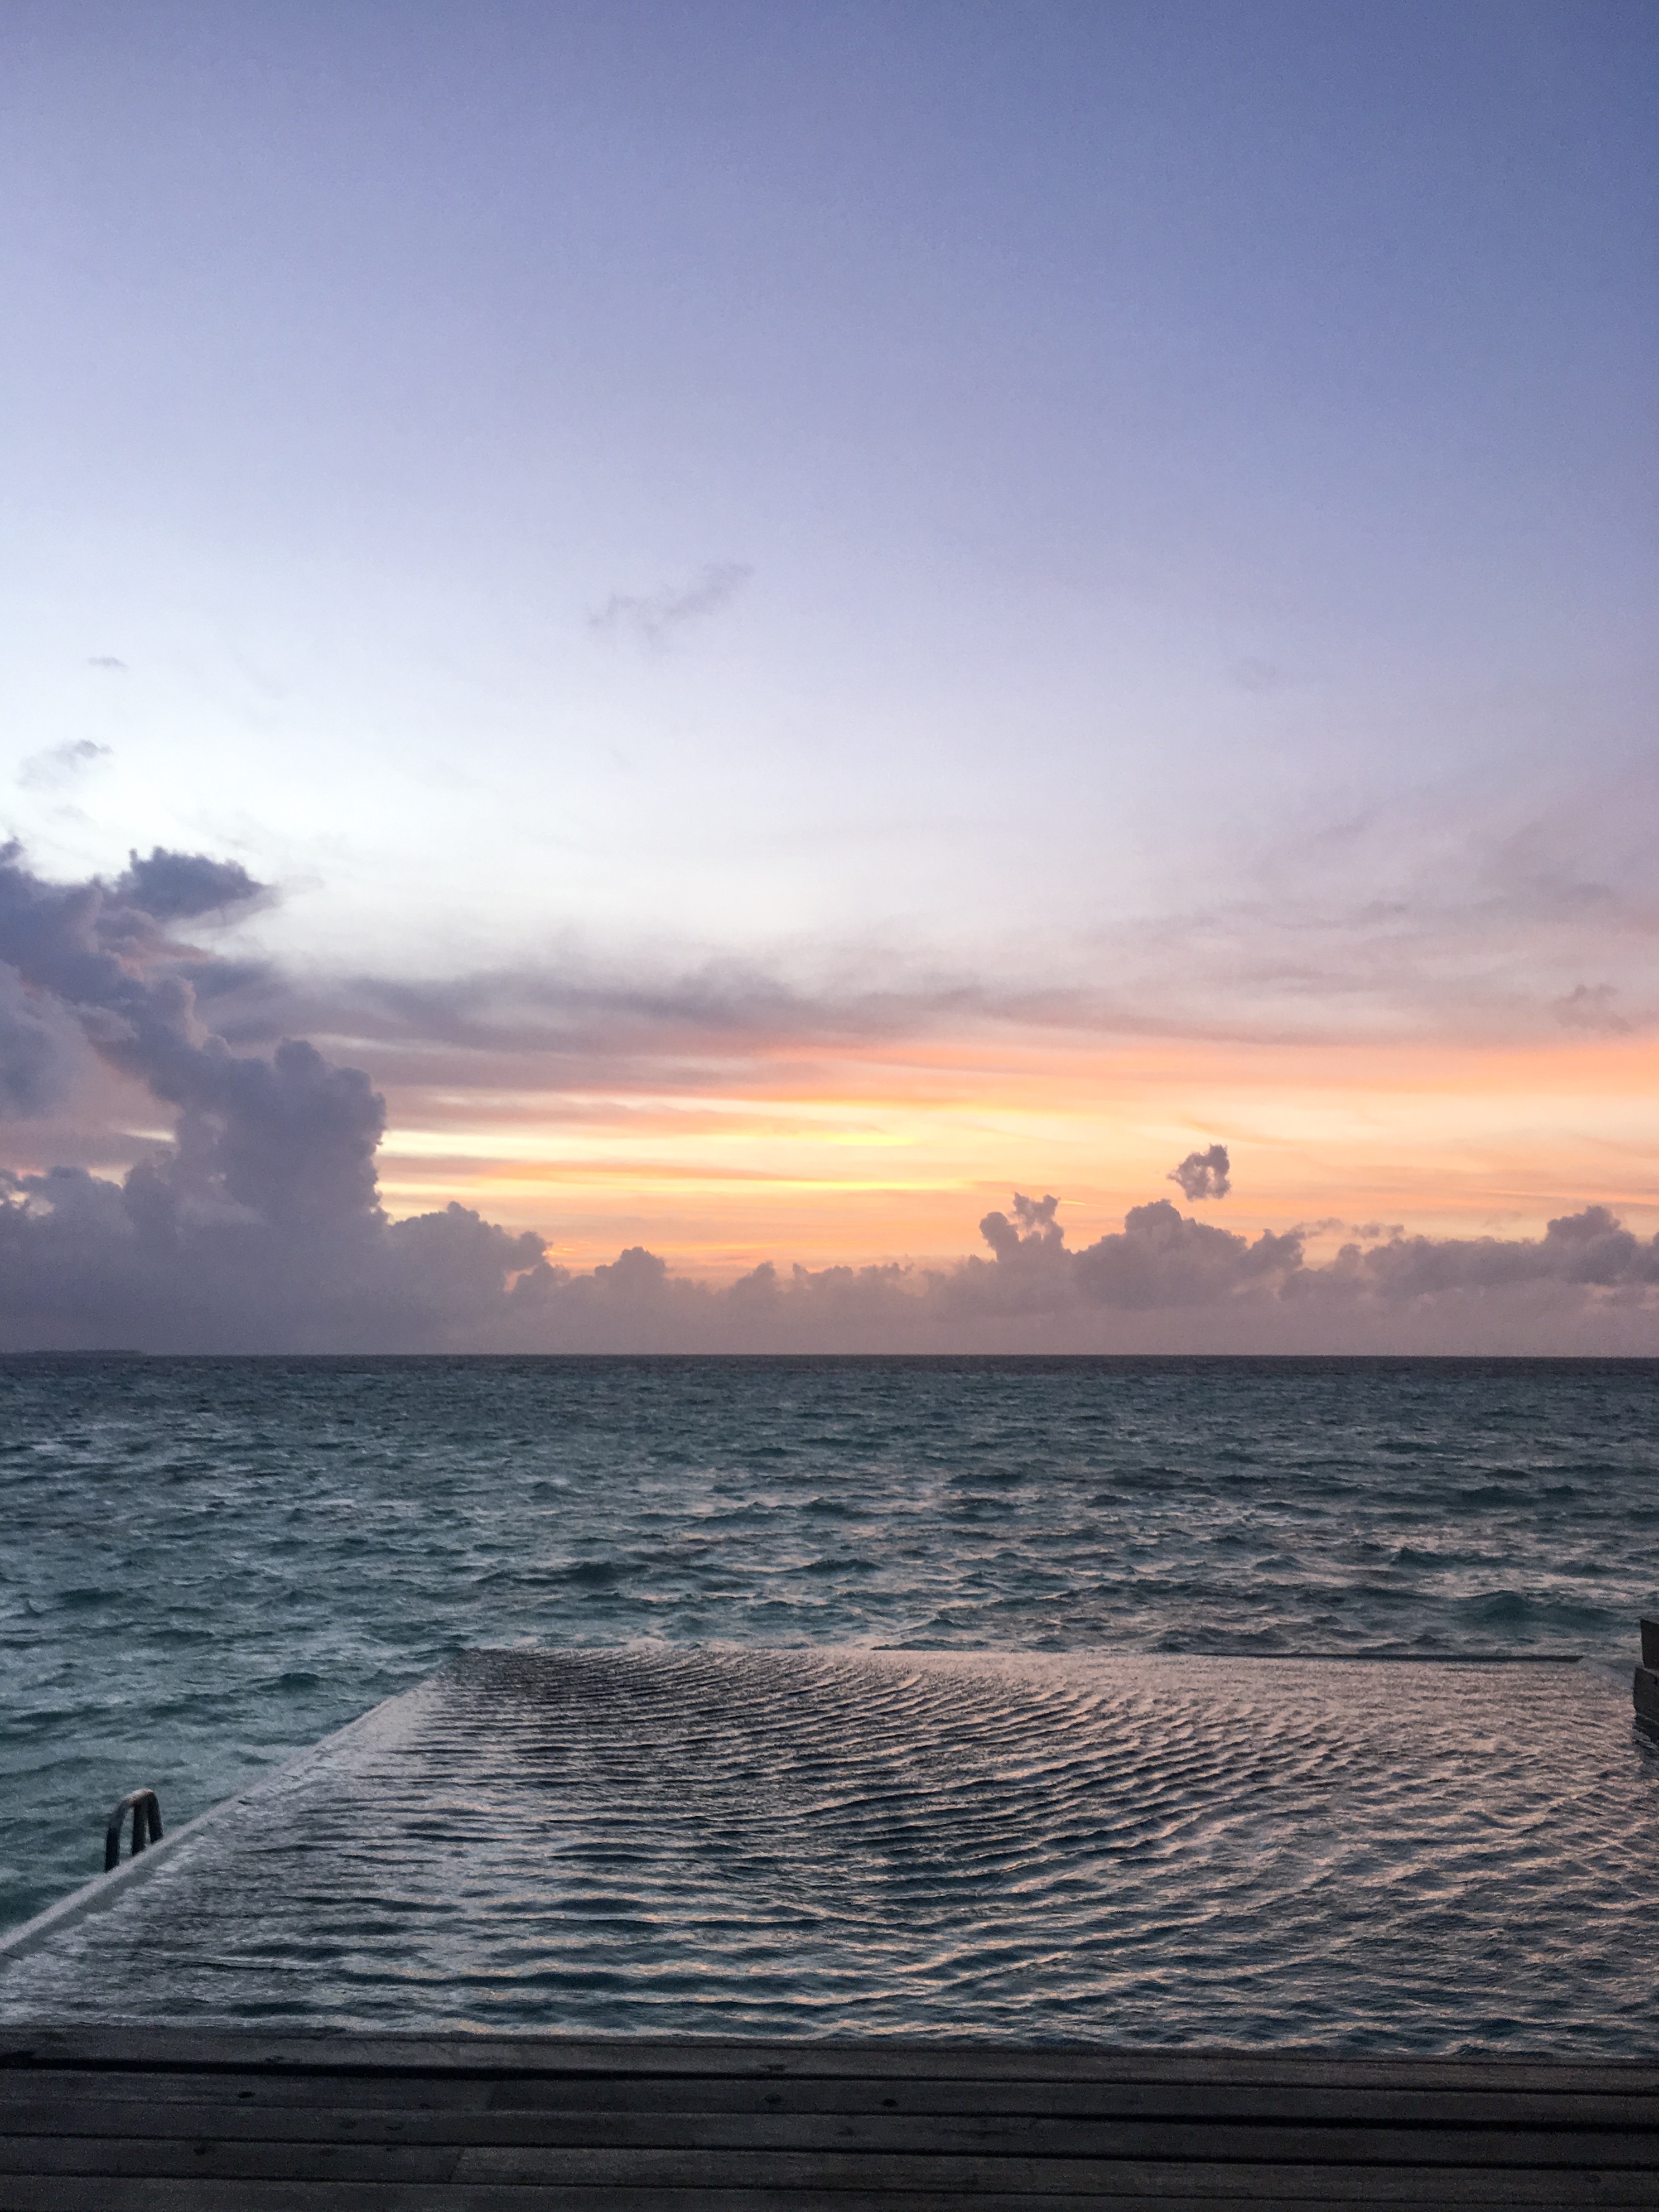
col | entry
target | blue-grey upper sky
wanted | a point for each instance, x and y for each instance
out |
(951, 473)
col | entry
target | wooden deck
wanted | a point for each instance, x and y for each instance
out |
(169, 2120)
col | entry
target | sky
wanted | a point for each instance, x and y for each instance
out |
(784, 622)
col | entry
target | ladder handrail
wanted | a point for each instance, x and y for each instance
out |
(146, 1809)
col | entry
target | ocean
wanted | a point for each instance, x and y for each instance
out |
(210, 1564)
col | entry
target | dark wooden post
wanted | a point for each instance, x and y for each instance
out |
(1646, 1690)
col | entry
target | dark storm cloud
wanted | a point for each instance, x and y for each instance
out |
(653, 615)
(258, 1226)
(1204, 1174)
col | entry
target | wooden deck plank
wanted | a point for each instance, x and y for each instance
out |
(131, 2126)
(1105, 2100)
(139, 2120)
(362, 2093)
(357, 2092)
(1303, 2190)
(966, 2176)
(336, 2050)
(374, 2161)
(57, 2194)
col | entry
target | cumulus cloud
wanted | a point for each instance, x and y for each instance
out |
(180, 886)
(1204, 1174)
(258, 1226)
(652, 616)
(1033, 1227)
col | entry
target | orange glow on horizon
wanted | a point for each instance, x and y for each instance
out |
(873, 1152)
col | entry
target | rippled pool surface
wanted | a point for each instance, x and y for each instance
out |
(208, 1564)
(1117, 1849)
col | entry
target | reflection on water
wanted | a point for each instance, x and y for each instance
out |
(1124, 1849)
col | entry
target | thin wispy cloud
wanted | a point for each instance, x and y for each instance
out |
(656, 616)
(1590, 1006)
(57, 765)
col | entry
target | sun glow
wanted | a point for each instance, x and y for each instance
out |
(881, 1150)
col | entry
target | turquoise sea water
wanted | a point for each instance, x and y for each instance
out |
(209, 1564)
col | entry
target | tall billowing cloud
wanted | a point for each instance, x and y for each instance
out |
(259, 1227)
(260, 1224)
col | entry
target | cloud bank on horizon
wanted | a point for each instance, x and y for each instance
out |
(258, 1226)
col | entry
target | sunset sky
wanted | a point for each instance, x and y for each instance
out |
(811, 615)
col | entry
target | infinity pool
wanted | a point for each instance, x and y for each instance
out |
(1124, 1849)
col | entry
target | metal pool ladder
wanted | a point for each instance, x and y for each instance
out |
(146, 1809)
